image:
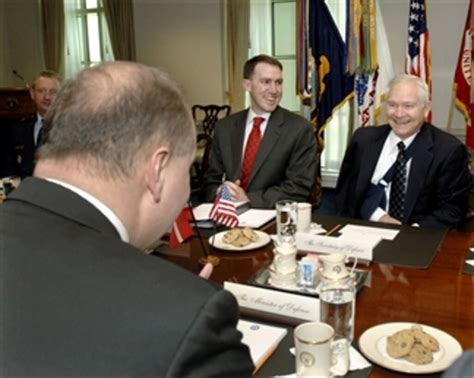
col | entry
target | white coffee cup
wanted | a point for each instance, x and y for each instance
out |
(316, 352)
(304, 216)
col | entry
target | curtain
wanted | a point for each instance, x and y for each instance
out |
(238, 15)
(119, 16)
(52, 12)
(73, 61)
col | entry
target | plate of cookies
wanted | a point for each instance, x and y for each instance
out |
(239, 239)
(410, 348)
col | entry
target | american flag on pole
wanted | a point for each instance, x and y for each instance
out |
(223, 210)
(417, 61)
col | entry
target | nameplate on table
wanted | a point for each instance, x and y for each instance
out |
(275, 302)
(349, 246)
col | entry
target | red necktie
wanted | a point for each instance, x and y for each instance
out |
(251, 149)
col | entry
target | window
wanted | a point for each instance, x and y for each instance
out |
(87, 37)
(284, 49)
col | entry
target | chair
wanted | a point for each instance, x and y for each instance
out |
(205, 118)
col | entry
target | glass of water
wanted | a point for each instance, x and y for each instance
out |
(287, 219)
(337, 308)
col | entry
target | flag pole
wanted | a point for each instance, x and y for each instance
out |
(207, 258)
(451, 108)
(203, 246)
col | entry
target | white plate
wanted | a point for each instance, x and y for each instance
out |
(263, 239)
(373, 343)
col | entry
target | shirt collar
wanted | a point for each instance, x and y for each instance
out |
(393, 140)
(103, 208)
(251, 115)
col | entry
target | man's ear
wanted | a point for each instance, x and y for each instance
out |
(156, 171)
(427, 109)
(246, 84)
(32, 93)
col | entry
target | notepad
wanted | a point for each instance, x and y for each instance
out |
(261, 339)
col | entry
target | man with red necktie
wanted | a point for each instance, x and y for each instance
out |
(265, 153)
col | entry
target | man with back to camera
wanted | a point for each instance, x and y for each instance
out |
(27, 134)
(265, 153)
(433, 181)
(79, 296)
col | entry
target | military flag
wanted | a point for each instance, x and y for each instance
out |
(463, 80)
(333, 86)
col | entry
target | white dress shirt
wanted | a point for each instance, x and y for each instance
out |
(386, 160)
(99, 205)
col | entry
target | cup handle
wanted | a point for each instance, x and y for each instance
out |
(353, 265)
(340, 357)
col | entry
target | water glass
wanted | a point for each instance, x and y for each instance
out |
(287, 219)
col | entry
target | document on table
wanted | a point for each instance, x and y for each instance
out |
(261, 339)
(361, 231)
(253, 218)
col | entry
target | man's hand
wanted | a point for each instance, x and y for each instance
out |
(388, 219)
(236, 191)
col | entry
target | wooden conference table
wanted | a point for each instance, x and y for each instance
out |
(440, 296)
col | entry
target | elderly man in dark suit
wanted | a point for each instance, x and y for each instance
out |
(264, 153)
(27, 134)
(79, 296)
(407, 172)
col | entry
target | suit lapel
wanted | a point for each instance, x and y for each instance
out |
(270, 138)
(57, 199)
(369, 159)
(420, 164)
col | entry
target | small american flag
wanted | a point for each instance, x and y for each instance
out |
(418, 60)
(223, 210)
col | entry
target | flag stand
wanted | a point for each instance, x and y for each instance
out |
(207, 258)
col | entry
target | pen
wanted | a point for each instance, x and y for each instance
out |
(333, 230)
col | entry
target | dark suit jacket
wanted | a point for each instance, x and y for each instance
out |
(20, 155)
(78, 301)
(285, 165)
(438, 183)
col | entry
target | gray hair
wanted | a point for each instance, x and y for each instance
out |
(114, 114)
(423, 90)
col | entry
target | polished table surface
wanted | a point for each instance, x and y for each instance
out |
(440, 296)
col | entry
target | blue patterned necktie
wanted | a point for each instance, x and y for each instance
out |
(39, 140)
(399, 183)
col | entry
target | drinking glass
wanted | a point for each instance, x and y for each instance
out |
(287, 219)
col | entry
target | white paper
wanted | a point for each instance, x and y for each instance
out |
(363, 231)
(201, 212)
(256, 218)
(470, 262)
(253, 218)
(261, 339)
